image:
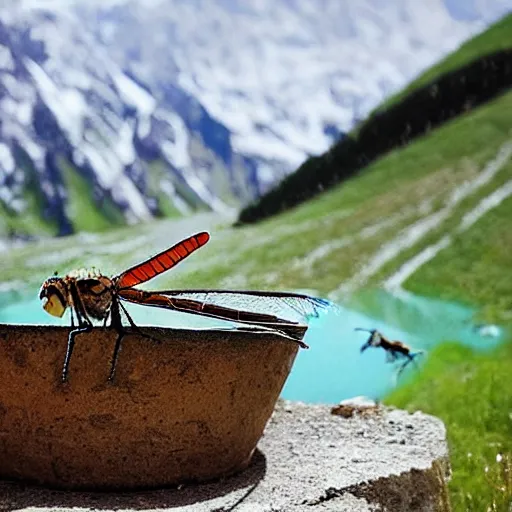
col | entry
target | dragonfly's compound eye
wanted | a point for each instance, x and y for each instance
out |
(52, 301)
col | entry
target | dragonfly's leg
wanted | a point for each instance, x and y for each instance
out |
(71, 344)
(117, 346)
(135, 327)
(413, 360)
(84, 325)
(117, 324)
(410, 359)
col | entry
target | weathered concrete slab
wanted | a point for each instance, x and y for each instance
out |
(308, 459)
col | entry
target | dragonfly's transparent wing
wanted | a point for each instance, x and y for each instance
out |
(286, 306)
(286, 314)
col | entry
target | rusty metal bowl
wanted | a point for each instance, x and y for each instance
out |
(190, 408)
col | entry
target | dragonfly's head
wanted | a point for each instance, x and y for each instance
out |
(374, 339)
(53, 296)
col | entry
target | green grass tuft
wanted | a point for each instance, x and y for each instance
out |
(471, 393)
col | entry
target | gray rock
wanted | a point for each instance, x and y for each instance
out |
(308, 459)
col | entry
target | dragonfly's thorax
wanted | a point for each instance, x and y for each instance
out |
(376, 339)
(86, 291)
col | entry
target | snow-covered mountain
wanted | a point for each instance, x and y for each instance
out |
(198, 103)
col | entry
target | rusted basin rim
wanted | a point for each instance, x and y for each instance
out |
(187, 334)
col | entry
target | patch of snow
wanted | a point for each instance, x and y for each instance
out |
(144, 128)
(268, 147)
(18, 205)
(409, 267)
(20, 111)
(68, 106)
(105, 172)
(266, 174)
(6, 60)
(125, 190)
(79, 78)
(414, 233)
(17, 90)
(175, 151)
(7, 163)
(124, 145)
(396, 280)
(324, 250)
(169, 190)
(47, 188)
(78, 157)
(488, 203)
(198, 186)
(110, 173)
(6, 195)
(133, 94)
(33, 149)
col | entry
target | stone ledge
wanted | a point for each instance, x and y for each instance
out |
(308, 459)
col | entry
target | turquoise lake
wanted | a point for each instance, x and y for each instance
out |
(333, 368)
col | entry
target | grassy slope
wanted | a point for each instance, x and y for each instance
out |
(471, 393)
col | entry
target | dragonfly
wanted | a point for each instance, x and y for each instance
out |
(395, 350)
(93, 297)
